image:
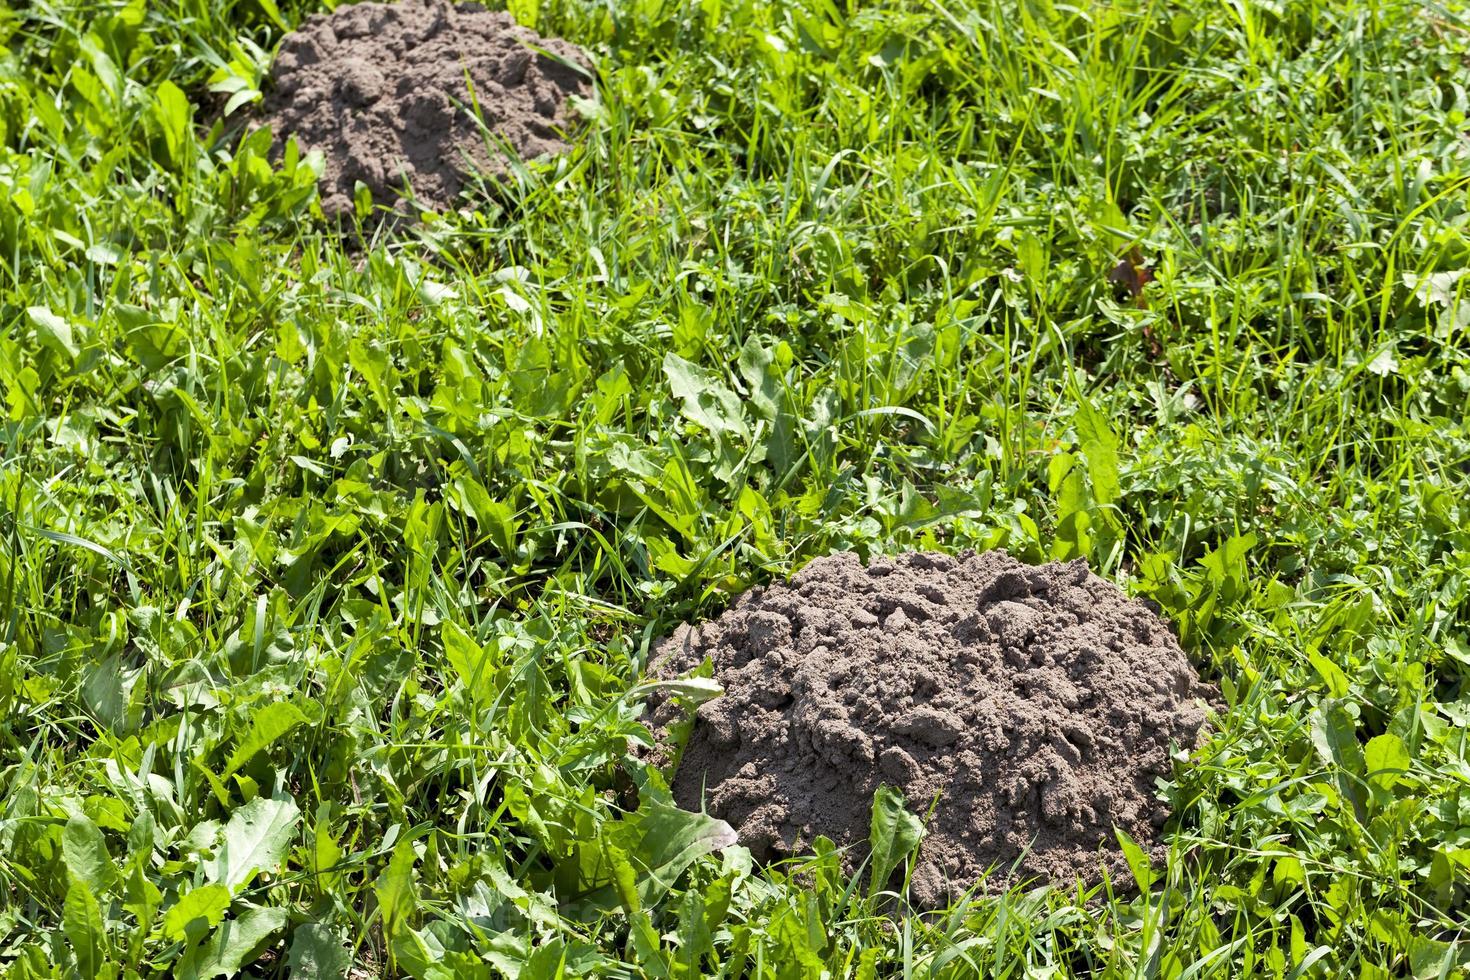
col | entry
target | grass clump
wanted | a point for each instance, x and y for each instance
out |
(327, 568)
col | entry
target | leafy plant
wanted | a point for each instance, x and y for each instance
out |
(329, 564)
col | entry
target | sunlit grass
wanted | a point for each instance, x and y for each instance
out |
(382, 524)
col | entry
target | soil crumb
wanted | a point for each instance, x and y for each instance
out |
(388, 93)
(1037, 704)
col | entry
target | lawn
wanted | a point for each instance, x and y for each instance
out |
(330, 561)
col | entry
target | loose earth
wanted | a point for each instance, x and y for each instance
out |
(1038, 705)
(417, 95)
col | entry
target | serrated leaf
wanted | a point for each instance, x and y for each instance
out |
(1333, 735)
(798, 942)
(894, 832)
(255, 840)
(704, 398)
(663, 841)
(697, 690)
(694, 940)
(232, 945)
(1384, 363)
(86, 856)
(1335, 738)
(267, 724)
(641, 935)
(197, 912)
(318, 952)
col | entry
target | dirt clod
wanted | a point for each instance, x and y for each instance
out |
(389, 93)
(1037, 703)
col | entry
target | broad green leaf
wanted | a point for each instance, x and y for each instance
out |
(373, 363)
(1073, 536)
(106, 686)
(755, 364)
(1100, 448)
(1332, 675)
(141, 896)
(255, 840)
(469, 660)
(641, 935)
(1433, 959)
(1288, 871)
(496, 518)
(1138, 862)
(525, 12)
(893, 834)
(1386, 759)
(174, 113)
(81, 922)
(54, 331)
(797, 950)
(1226, 567)
(415, 954)
(693, 933)
(86, 854)
(326, 852)
(395, 889)
(197, 912)
(319, 952)
(267, 724)
(235, 943)
(662, 841)
(1335, 738)
(624, 877)
(1384, 363)
(1434, 287)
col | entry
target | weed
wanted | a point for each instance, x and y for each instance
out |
(325, 572)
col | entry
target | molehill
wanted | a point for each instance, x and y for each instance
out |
(1037, 704)
(419, 94)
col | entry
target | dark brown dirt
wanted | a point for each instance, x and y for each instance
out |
(384, 90)
(1038, 704)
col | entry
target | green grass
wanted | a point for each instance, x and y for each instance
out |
(327, 566)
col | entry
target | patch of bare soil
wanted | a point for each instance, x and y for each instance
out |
(418, 94)
(1037, 704)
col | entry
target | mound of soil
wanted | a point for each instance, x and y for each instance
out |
(389, 93)
(1038, 704)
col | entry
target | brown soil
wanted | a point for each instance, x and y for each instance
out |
(1038, 704)
(384, 90)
